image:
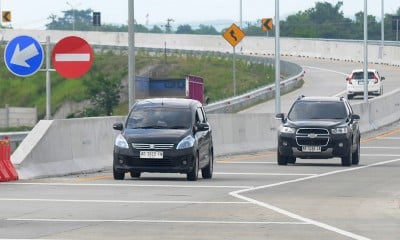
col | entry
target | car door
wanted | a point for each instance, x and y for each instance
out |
(201, 136)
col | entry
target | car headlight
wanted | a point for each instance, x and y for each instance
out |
(121, 142)
(288, 130)
(187, 142)
(340, 130)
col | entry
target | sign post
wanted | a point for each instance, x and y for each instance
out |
(233, 35)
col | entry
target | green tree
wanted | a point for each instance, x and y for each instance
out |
(206, 30)
(104, 94)
(184, 29)
(156, 29)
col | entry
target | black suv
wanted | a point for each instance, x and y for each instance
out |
(164, 135)
(319, 127)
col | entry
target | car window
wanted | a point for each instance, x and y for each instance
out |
(200, 116)
(317, 110)
(360, 75)
(172, 118)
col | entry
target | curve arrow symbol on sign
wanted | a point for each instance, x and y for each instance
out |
(20, 57)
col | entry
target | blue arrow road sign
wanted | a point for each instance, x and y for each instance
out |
(23, 56)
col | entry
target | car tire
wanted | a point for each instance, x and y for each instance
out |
(135, 174)
(118, 175)
(207, 171)
(356, 155)
(282, 160)
(347, 159)
(193, 175)
(291, 160)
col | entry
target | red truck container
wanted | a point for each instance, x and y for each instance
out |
(190, 87)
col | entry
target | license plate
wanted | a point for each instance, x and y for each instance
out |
(311, 148)
(151, 154)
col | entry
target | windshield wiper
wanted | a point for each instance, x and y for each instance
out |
(178, 127)
(150, 127)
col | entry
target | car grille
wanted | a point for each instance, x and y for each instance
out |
(148, 146)
(312, 137)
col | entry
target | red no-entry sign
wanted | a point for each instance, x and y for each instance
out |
(72, 57)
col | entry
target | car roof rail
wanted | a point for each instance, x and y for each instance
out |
(300, 97)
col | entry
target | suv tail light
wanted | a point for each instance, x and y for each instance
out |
(376, 78)
(350, 79)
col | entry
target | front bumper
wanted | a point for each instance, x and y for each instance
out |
(173, 161)
(337, 146)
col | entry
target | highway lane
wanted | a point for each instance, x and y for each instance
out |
(327, 78)
(249, 197)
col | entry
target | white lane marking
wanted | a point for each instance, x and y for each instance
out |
(298, 217)
(389, 138)
(149, 221)
(379, 147)
(245, 162)
(266, 174)
(327, 70)
(120, 185)
(115, 201)
(72, 57)
(380, 155)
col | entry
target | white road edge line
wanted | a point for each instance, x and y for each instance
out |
(120, 185)
(149, 221)
(116, 201)
(238, 193)
(266, 174)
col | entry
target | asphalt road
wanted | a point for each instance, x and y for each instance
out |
(249, 197)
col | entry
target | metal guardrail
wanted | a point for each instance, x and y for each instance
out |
(14, 137)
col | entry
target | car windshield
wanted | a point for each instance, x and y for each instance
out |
(360, 75)
(317, 110)
(160, 117)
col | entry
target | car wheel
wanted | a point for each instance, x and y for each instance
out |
(207, 171)
(118, 175)
(282, 160)
(356, 155)
(346, 160)
(291, 160)
(135, 174)
(193, 175)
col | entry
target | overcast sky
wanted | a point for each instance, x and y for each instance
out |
(33, 14)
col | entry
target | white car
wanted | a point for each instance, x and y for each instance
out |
(355, 83)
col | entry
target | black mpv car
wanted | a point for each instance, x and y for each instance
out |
(165, 135)
(319, 127)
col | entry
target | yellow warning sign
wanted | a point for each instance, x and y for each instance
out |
(233, 35)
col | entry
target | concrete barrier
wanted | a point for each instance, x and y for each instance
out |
(61, 147)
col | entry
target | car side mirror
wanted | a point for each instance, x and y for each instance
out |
(118, 126)
(202, 127)
(347, 79)
(355, 117)
(280, 116)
